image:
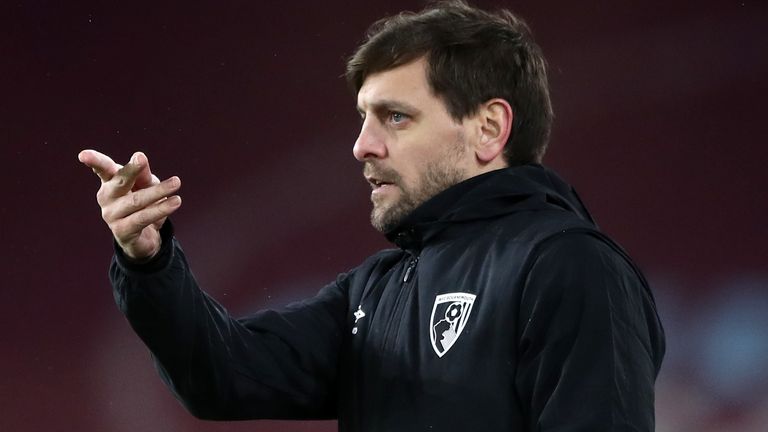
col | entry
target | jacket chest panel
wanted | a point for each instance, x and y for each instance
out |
(446, 314)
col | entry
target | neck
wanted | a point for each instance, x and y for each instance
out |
(482, 168)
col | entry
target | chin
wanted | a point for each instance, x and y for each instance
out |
(381, 219)
(385, 218)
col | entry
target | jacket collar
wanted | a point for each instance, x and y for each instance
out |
(486, 196)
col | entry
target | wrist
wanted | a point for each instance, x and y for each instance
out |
(132, 258)
(152, 262)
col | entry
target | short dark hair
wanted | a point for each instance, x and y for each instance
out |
(473, 56)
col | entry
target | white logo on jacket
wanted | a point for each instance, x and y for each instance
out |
(449, 316)
(358, 315)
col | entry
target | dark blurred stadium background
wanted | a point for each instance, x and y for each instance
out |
(661, 126)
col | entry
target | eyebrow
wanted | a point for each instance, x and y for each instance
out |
(391, 105)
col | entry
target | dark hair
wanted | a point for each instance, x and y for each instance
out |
(473, 56)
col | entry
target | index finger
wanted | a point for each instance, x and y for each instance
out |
(101, 164)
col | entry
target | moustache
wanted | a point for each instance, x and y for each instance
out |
(380, 173)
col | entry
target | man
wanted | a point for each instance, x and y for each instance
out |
(502, 307)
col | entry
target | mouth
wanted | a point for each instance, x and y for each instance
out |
(377, 183)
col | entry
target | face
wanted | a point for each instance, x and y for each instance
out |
(409, 144)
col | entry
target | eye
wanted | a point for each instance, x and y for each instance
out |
(397, 117)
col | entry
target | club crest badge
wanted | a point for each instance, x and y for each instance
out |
(449, 316)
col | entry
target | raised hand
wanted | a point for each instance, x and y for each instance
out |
(134, 203)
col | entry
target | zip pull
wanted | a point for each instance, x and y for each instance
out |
(411, 267)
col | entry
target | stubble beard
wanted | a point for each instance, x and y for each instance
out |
(437, 176)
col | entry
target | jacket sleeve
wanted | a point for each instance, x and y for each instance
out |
(590, 341)
(274, 364)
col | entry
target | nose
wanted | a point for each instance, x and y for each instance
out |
(371, 142)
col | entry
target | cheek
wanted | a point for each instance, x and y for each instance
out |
(411, 166)
(413, 157)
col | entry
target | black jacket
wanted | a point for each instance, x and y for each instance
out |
(503, 309)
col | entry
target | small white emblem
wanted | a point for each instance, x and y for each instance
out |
(358, 315)
(452, 312)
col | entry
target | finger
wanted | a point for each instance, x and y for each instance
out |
(145, 177)
(101, 164)
(124, 179)
(140, 199)
(131, 226)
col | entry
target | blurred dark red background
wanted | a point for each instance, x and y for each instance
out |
(661, 126)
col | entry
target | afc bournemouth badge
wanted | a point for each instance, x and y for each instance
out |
(449, 315)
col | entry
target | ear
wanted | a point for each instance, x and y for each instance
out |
(495, 121)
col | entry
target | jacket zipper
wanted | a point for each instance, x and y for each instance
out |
(411, 268)
(402, 296)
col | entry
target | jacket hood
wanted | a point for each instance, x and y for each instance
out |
(497, 193)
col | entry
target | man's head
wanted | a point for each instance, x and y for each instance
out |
(446, 94)
(473, 56)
